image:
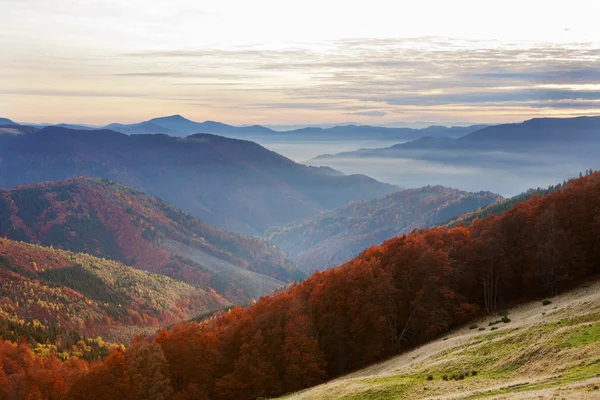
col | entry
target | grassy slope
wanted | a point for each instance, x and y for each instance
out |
(544, 352)
(92, 295)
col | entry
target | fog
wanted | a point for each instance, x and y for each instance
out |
(302, 151)
(505, 180)
(504, 172)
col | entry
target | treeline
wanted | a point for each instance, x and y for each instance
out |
(392, 297)
(505, 205)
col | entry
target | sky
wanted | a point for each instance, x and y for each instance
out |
(298, 62)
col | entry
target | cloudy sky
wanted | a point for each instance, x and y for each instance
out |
(297, 62)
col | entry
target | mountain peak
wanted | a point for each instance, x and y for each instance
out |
(6, 121)
(173, 118)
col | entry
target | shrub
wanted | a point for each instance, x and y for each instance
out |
(503, 313)
(505, 319)
(430, 377)
(473, 373)
(546, 302)
(445, 377)
(494, 328)
(482, 329)
(474, 326)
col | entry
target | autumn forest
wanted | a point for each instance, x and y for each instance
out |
(390, 298)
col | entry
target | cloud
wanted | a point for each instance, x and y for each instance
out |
(368, 113)
(367, 77)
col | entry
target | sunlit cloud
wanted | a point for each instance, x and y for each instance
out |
(255, 63)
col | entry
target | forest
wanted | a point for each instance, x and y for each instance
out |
(107, 219)
(392, 297)
(336, 236)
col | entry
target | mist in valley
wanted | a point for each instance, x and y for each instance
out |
(301, 151)
(495, 175)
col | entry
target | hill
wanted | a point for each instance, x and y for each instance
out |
(51, 288)
(232, 184)
(6, 121)
(394, 297)
(518, 360)
(179, 126)
(503, 205)
(184, 126)
(140, 128)
(110, 220)
(506, 159)
(572, 136)
(334, 237)
(14, 129)
(407, 292)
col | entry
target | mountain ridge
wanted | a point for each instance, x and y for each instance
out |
(236, 185)
(110, 220)
(179, 126)
(538, 134)
(336, 236)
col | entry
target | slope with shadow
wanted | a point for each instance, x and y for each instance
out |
(110, 220)
(232, 184)
(334, 237)
(93, 296)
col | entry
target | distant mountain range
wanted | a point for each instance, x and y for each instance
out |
(110, 220)
(232, 184)
(336, 236)
(576, 136)
(176, 125)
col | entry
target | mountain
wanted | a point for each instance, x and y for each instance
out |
(501, 206)
(558, 130)
(109, 220)
(73, 126)
(176, 125)
(540, 135)
(6, 121)
(89, 295)
(179, 126)
(232, 184)
(142, 127)
(336, 236)
(395, 297)
(17, 129)
(362, 132)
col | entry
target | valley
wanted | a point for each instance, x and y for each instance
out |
(267, 200)
(334, 237)
(507, 159)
